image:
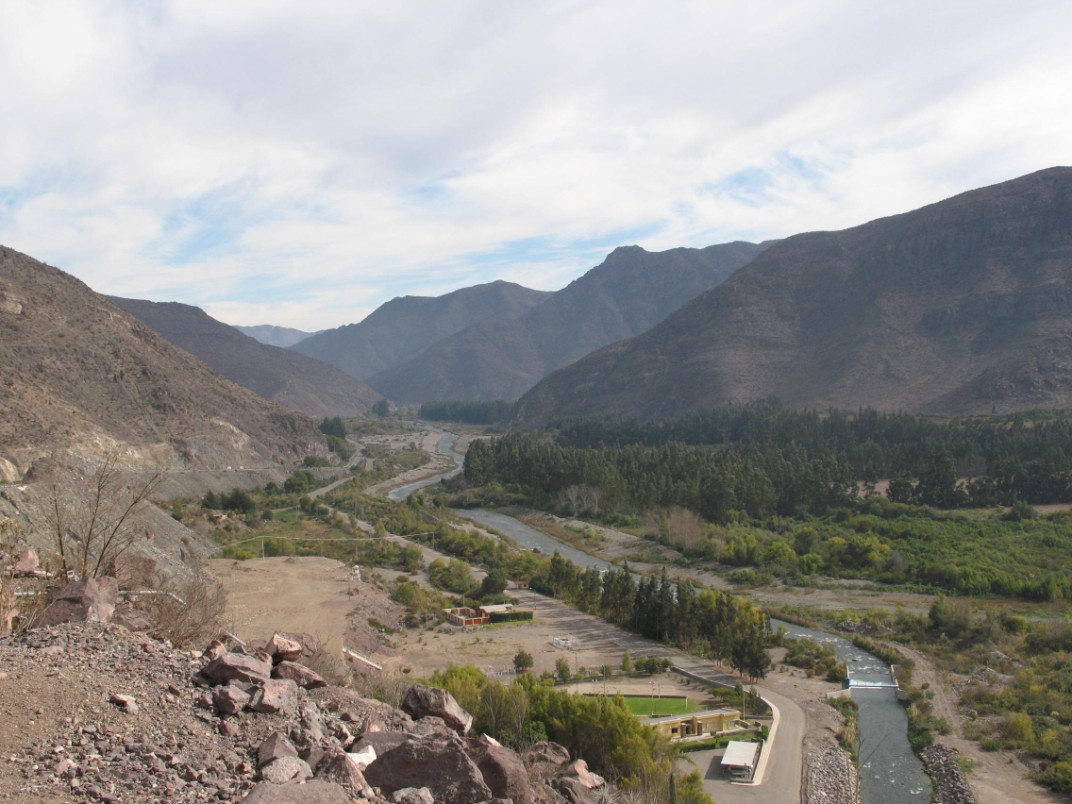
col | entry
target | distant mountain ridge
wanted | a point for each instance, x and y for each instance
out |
(300, 382)
(405, 326)
(81, 376)
(631, 291)
(963, 306)
(271, 335)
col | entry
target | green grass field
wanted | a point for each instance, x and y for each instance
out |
(644, 705)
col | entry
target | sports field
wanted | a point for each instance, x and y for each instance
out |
(646, 705)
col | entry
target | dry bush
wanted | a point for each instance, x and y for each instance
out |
(390, 688)
(188, 612)
(329, 662)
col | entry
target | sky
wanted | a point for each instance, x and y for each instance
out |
(301, 163)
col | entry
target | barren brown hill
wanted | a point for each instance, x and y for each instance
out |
(403, 327)
(303, 383)
(964, 306)
(631, 291)
(80, 375)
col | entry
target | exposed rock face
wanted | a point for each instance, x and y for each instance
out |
(82, 373)
(422, 701)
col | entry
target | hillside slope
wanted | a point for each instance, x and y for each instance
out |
(405, 326)
(83, 377)
(631, 291)
(964, 306)
(300, 382)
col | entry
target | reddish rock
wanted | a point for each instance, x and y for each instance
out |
(237, 667)
(440, 765)
(413, 795)
(422, 701)
(230, 699)
(27, 563)
(282, 649)
(299, 674)
(286, 770)
(338, 767)
(216, 648)
(546, 752)
(502, 769)
(92, 600)
(274, 747)
(314, 792)
(276, 695)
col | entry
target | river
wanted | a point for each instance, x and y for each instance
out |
(890, 773)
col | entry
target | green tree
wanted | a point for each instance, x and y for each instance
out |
(562, 669)
(523, 661)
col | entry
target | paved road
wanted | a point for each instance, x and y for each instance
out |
(782, 781)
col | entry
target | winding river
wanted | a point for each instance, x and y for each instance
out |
(890, 773)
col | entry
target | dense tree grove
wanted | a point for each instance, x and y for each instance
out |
(723, 627)
(763, 460)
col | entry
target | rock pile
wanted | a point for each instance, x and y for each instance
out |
(132, 719)
(942, 766)
(830, 776)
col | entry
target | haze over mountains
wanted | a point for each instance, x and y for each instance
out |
(300, 382)
(964, 306)
(271, 335)
(405, 326)
(81, 376)
(631, 291)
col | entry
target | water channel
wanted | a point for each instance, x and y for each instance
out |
(890, 773)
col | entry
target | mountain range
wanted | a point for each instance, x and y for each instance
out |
(83, 378)
(300, 382)
(403, 327)
(631, 291)
(271, 335)
(961, 307)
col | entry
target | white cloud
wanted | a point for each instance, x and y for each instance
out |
(300, 163)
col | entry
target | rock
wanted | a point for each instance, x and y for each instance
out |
(951, 785)
(286, 770)
(215, 649)
(338, 767)
(314, 792)
(381, 741)
(412, 795)
(440, 765)
(578, 770)
(274, 747)
(124, 702)
(27, 563)
(282, 649)
(237, 667)
(230, 699)
(546, 752)
(275, 696)
(422, 701)
(92, 600)
(299, 674)
(502, 769)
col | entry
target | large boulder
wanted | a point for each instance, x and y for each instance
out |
(502, 769)
(237, 667)
(275, 746)
(299, 674)
(275, 696)
(440, 765)
(339, 767)
(280, 648)
(92, 600)
(314, 792)
(423, 701)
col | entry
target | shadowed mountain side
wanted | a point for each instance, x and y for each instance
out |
(631, 291)
(964, 306)
(404, 327)
(82, 376)
(300, 382)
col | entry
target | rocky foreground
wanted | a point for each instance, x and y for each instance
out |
(94, 712)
